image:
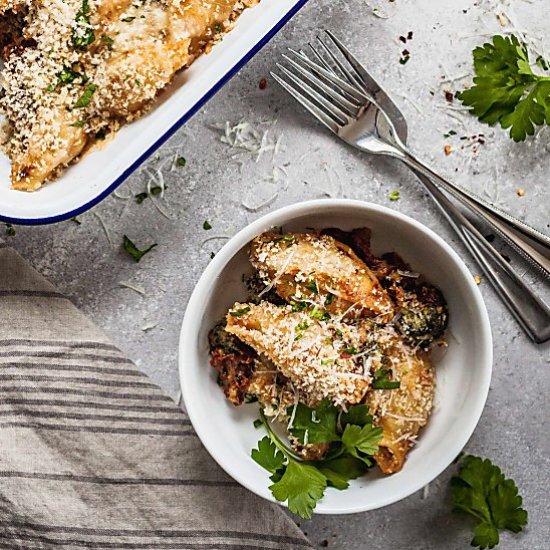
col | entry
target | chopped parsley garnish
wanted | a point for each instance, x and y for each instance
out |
(449, 134)
(181, 161)
(239, 312)
(133, 250)
(206, 226)
(257, 423)
(382, 380)
(298, 306)
(481, 490)
(10, 230)
(107, 40)
(286, 238)
(394, 196)
(68, 75)
(155, 191)
(79, 124)
(319, 315)
(76, 220)
(312, 285)
(83, 32)
(350, 351)
(329, 299)
(86, 97)
(140, 197)
(302, 484)
(506, 90)
(127, 19)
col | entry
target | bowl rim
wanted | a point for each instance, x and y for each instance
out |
(198, 299)
(179, 122)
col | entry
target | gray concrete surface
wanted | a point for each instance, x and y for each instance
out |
(83, 263)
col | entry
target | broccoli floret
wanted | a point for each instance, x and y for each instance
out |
(422, 324)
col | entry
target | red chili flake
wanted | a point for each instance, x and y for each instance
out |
(345, 355)
(449, 96)
(263, 84)
(403, 39)
(405, 53)
(410, 35)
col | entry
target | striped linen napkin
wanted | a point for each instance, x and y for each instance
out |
(92, 454)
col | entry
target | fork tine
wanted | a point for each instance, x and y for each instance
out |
(319, 58)
(329, 108)
(348, 75)
(368, 82)
(320, 115)
(337, 82)
(347, 106)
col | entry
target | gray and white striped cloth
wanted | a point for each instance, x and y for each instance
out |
(93, 454)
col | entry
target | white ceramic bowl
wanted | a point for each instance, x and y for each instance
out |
(463, 373)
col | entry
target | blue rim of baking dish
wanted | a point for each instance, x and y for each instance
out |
(169, 133)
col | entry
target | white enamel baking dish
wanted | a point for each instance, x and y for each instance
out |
(97, 175)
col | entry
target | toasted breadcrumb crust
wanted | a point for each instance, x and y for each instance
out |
(309, 353)
(59, 97)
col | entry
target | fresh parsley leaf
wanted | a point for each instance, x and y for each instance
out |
(335, 479)
(506, 90)
(181, 161)
(320, 423)
(357, 414)
(302, 486)
(481, 490)
(339, 471)
(206, 226)
(267, 455)
(360, 441)
(133, 250)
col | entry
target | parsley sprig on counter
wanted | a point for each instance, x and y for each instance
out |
(353, 441)
(481, 490)
(506, 90)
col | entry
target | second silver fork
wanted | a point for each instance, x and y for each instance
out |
(352, 105)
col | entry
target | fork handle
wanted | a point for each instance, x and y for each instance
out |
(531, 312)
(533, 245)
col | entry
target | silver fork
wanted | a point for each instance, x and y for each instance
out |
(346, 99)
